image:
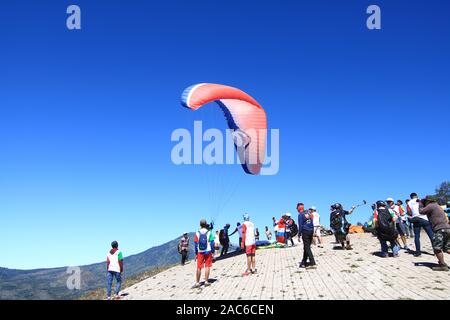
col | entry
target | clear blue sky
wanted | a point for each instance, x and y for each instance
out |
(86, 116)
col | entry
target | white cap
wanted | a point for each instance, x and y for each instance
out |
(287, 214)
(313, 208)
(390, 199)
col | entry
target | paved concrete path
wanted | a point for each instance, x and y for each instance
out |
(356, 274)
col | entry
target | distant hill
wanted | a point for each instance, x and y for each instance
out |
(40, 284)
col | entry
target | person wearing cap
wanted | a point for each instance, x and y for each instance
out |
(399, 223)
(204, 251)
(317, 227)
(249, 244)
(441, 230)
(289, 223)
(114, 266)
(420, 221)
(183, 247)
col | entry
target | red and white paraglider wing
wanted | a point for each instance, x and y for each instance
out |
(244, 115)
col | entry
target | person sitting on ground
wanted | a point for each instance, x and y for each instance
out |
(183, 247)
(204, 251)
(114, 266)
(441, 230)
(249, 244)
(306, 231)
(399, 223)
(340, 225)
(386, 230)
(317, 237)
(420, 221)
(224, 239)
(268, 234)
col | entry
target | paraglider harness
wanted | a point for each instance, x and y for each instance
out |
(385, 227)
(339, 223)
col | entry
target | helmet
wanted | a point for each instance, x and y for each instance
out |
(287, 214)
(313, 208)
(381, 203)
(337, 206)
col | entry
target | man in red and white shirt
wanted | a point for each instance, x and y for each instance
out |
(249, 244)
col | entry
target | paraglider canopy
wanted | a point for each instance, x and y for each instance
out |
(243, 114)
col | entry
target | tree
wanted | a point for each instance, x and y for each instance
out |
(443, 191)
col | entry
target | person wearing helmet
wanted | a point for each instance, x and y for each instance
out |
(317, 227)
(224, 239)
(399, 223)
(386, 230)
(183, 247)
(340, 226)
(204, 251)
(289, 224)
(249, 244)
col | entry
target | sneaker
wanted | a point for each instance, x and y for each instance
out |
(417, 254)
(246, 273)
(207, 284)
(302, 265)
(441, 267)
(195, 286)
(349, 247)
(253, 271)
(312, 266)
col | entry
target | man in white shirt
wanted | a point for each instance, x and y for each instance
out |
(316, 222)
(419, 221)
(399, 223)
(249, 244)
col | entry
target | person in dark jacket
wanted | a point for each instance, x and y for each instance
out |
(441, 230)
(386, 229)
(306, 233)
(183, 248)
(224, 239)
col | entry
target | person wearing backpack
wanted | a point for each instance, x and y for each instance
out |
(289, 225)
(183, 248)
(224, 239)
(204, 251)
(386, 229)
(340, 226)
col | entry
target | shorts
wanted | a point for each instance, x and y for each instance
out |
(204, 260)
(441, 240)
(250, 250)
(401, 228)
(317, 231)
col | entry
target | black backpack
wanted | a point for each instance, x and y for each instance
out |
(336, 221)
(385, 227)
(294, 230)
(222, 238)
